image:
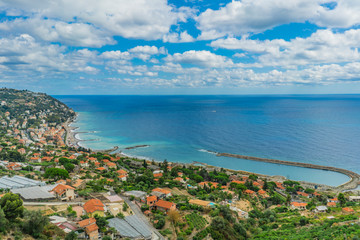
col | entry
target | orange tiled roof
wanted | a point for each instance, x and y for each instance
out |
(91, 228)
(347, 209)
(121, 171)
(161, 190)
(248, 191)
(299, 204)
(93, 205)
(331, 204)
(86, 222)
(151, 198)
(60, 189)
(164, 204)
(157, 175)
(101, 168)
(302, 194)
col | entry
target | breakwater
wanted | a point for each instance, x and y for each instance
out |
(351, 184)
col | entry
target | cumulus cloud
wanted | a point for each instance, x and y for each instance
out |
(201, 58)
(248, 16)
(24, 53)
(323, 46)
(178, 37)
(140, 19)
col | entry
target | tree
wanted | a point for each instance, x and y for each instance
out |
(12, 206)
(34, 223)
(174, 216)
(56, 173)
(71, 236)
(69, 167)
(3, 221)
(125, 207)
(100, 221)
(341, 199)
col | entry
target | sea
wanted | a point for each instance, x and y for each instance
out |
(317, 129)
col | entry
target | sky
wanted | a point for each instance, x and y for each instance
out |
(180, 46)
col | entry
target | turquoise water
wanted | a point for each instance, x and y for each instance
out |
(318, 129)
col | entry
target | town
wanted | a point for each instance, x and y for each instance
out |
(53, 190)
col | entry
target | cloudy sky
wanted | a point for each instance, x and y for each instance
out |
(180, 46)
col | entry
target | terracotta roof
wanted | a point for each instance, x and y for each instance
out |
(298, 204)
(91, 228)
(164, 204)
(121, 171)
(151, 199)
(261, 191)
(161, 190)
(331, 204)
(93, 205)
(60, 189)
(238, 182)
(86, 222)
(158, 175)
(101, 168)
(248, 191)
(347, 209)
(302, 194)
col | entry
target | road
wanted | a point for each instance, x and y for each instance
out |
(137, 211)
(50, 203)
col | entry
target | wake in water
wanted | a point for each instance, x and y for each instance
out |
(207, 151)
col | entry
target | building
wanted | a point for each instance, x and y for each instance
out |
(151, 200)
(131, 227)
(320, 209)
(135, 193)
(165, 206)
(91, 229)
(64, 192)
(18, 182)
(94, 206)
(354, 198)
(34, 193)
(161, 193)
(298, 205)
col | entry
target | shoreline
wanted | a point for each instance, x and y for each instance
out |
(350, 185)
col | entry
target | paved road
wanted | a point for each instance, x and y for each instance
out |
(50, 203)
(137, 211)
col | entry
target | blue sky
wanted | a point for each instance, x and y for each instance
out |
(180, 46)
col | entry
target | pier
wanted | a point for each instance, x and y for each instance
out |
(351, 184)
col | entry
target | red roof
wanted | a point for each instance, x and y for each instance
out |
(151, 198)
(101, 169)
(347, 209)
(161, 190)
(158, 175)
(331, 204)
(93, 205)
(248, 191)
(299, 204)
(91, 228)
(86, 222)
(60, 189)
(164, 204)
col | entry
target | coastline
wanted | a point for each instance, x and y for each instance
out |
(351, 185)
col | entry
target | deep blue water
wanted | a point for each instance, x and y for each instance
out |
(318, 129)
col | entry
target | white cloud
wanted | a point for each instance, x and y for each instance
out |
(178, 38)
(323, 46)
(149, 50)
(25, 54)
(254, 16)
(201, 58)
(73, 34)
(141, 19)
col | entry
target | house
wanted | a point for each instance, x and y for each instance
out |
(331, 204)
(249, 192)
(298, 205)
(122, 177)
(84, 164)
(94, 206)
(158, 175)
(14, 166)
(347, 210)
(165, 206)
(263, 193)
(179, 179)
(22, 151)
(101, 169)
(303, 194)
(79, 184)
(161, 192)
(151, 200)
(64, 192)
(354, 198)
(90, 227)
(320, 209)
(111, 165)
(122, 172)
(335, 200)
